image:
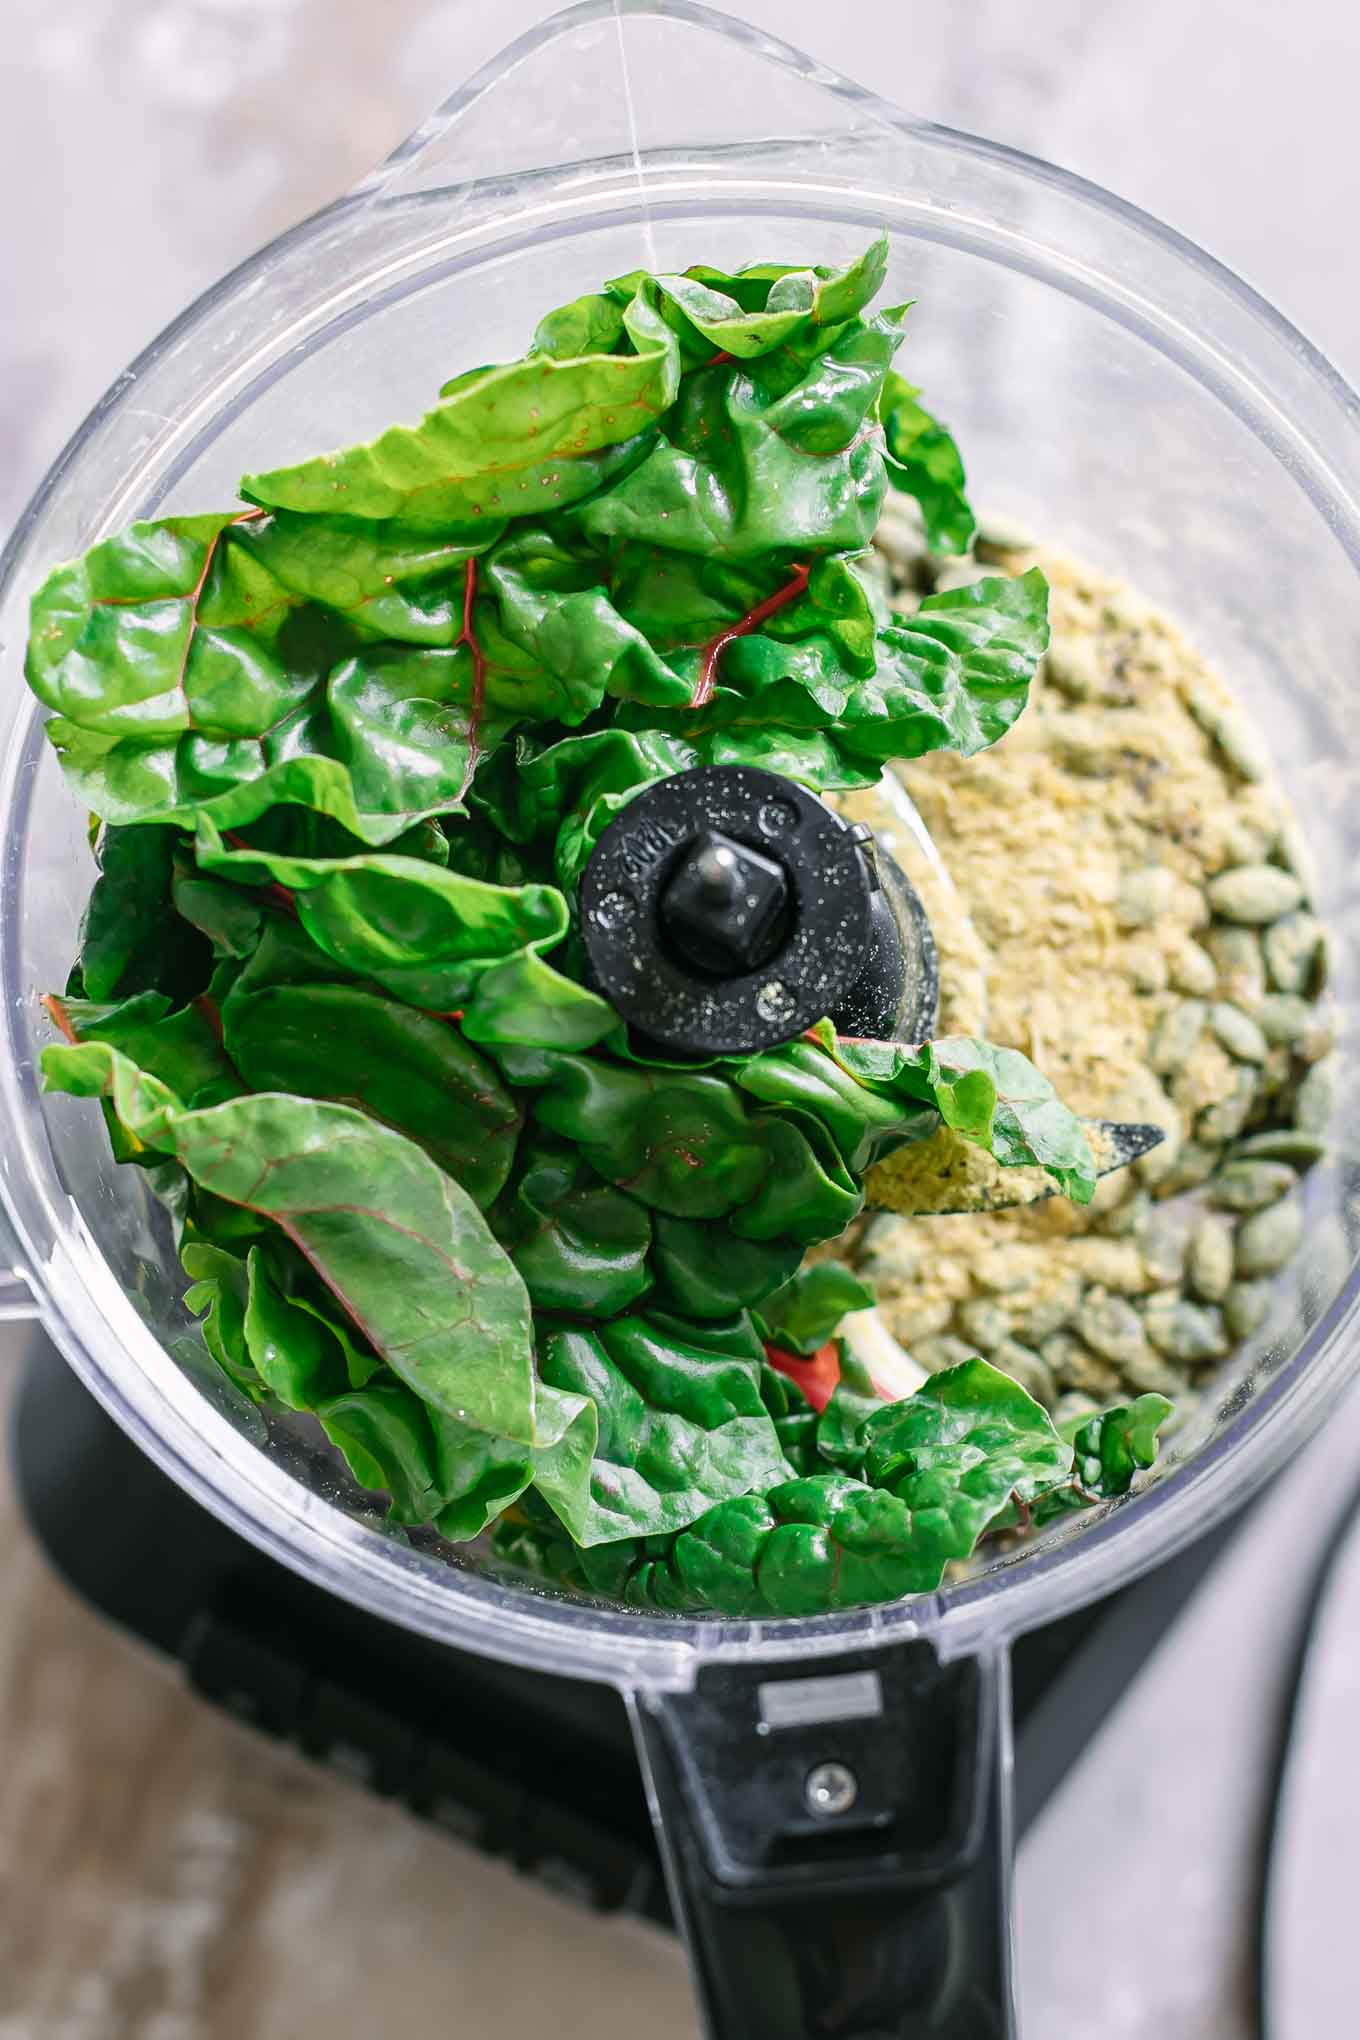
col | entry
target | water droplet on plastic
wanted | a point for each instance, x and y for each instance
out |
(774, 1001)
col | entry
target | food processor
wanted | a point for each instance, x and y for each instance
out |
(832, 1796)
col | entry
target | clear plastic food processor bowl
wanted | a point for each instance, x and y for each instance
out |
(1112, 386)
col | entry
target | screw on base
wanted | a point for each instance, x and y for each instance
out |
(830, 1789)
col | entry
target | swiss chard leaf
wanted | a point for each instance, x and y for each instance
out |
(579, 1244)
(840, 1428)
(435, 938)
(682, 1424)
(738, 473)
(953, 1455)
(1109, 1449)
(688, 1144)
(523, 439)
(401, 1066)
(754, 311)
(704, 1270)
(805, 1313)
(183, 1048)
(795, 1420)
(219, 1292)
(386, 1438)
(297, 1355)
(952, 677)
(923, 461)
(959, 1448)
(225, 663)
(129, 939)
(401, 1246)
(991, 1096)
(437, 1470)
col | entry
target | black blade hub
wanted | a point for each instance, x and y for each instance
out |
(726, 909)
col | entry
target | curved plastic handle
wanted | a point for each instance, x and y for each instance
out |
(837, 1840)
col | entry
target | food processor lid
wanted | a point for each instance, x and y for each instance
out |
(633, 112)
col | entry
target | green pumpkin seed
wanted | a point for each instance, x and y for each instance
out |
(1178, 1030)
(940, 1351)
(1235, 737)
(1316, 1099)
(1110, 1193)
(1129, 1217)
(1144, 896)
(1186, 1331)
(1209, 1259)
(1254, 894)
(1147, 1371)
(1074, 1365)
(1156, 1167)
(1285, 1017)
(1296, 853)
(1247, 1306)
(1238, 1032)
(1296, 954)
(1194, 1165)
(1282, 1144)
(1162, 1242)
(984, 1325)
(1251, 1186)
(1321, 1036)
(1145, 967)
(1109, 1264)
(1191, 969)
(1242, 747)
(1269, 1238)
(893, 1252)
(1244, 843)
(1218, 1124)
(1074, 1404)
(1027, 1367)
(1241, 969)
(1276, 1071)
(1110, 1326)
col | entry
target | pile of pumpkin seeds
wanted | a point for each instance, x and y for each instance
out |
(1135, 915)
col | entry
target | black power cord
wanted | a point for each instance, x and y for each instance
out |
(1282, 1746)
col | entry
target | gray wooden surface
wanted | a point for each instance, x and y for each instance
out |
(163, 1876)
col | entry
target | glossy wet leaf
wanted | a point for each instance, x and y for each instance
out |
(807, 1310)
(404, 1067)
(752, 311)
(853, 1401)
(183, 1047)
(1108, 1450)
(579, 1244)
(923, 462)
(681, 1424)
(737, 473)
(401, 1246)
(523, 439)
(129, 940)
(436, 938)
(992, 1096)
(703, 1269)
(941, 1465)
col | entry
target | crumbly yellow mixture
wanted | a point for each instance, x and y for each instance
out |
(1076, 923)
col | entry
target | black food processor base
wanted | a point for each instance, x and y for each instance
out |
(541, 1770)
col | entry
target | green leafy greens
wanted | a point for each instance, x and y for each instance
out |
(351, 743)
